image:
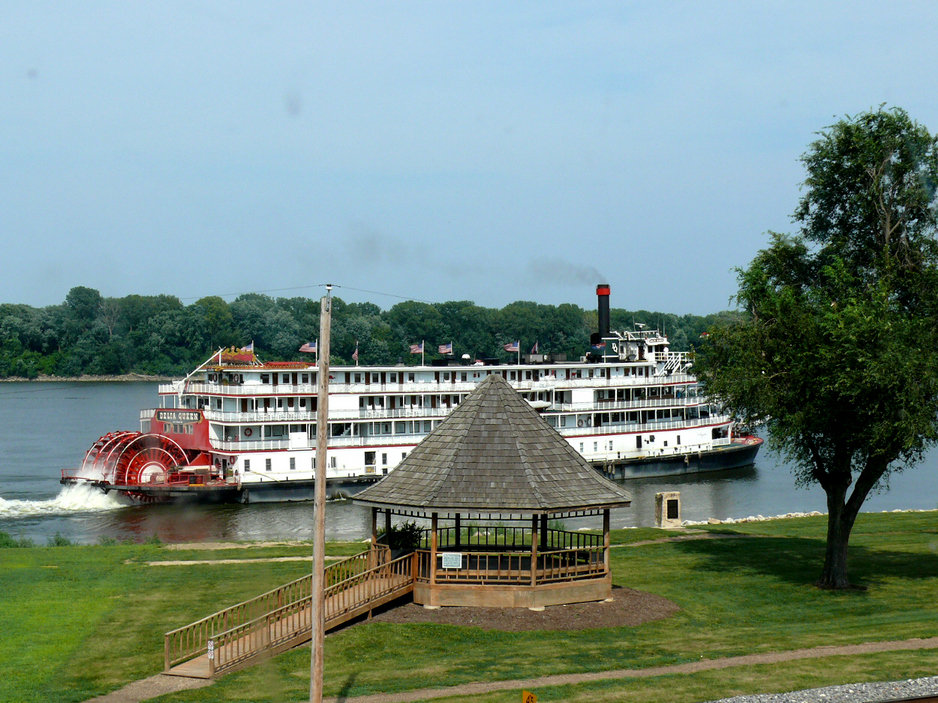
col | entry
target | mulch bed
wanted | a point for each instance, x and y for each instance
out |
(627, 609)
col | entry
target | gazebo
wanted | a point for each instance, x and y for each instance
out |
(494, 481)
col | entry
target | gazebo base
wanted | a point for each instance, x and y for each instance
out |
(492, 595)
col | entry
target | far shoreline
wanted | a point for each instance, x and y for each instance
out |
(115, 378)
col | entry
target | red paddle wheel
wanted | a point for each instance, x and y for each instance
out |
(147, 459)
(99, 459)
(132, 458)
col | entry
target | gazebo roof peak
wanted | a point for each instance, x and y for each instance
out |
(494, 453)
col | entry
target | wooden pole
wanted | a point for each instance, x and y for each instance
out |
(319, 503)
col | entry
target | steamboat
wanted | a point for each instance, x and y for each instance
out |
(239, 429)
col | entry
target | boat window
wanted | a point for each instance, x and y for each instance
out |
(384, 459)
(247, 465)
(292, 463)
(267, 464)
(265, 378)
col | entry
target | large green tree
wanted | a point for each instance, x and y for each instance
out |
(838, 354)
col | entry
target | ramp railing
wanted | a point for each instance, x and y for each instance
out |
(281, 618)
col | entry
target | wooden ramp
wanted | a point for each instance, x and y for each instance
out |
(281, 619)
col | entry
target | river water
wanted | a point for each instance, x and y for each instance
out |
(45, 427)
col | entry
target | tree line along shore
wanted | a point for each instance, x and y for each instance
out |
(136, 337)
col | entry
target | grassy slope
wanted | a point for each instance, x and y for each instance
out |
(86, 621)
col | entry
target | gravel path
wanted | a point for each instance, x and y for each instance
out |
(850, 693)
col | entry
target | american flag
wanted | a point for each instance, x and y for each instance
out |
(355, 353)
(513, 346)
(534, 348)
(249, 348)
(445, 348)
(309, 347)
(416, 348)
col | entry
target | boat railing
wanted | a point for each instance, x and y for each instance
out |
(652, 451)
(544, 383)
(275, 415)
(650, 426)
(250, 446)
(638, 404)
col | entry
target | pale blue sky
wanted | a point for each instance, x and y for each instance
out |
(492, 152)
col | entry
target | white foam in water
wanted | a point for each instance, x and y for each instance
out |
(71, 499)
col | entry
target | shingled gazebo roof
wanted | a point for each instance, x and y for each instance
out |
(494, 454)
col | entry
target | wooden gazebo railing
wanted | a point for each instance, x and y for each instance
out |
(513, 567)
(503, 555)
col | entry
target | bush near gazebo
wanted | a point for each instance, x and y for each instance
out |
(403, 538)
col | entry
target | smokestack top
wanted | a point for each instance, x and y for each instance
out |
(602, 293)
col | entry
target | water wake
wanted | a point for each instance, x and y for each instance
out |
(71, 499)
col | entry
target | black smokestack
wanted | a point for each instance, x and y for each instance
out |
(602, 292)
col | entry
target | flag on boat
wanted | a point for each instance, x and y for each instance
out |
(534, 348)
(416, 348)
(599, 348)
(249, 348)
(355, 353)
(445, 348)
(513, 346)
(310, 347)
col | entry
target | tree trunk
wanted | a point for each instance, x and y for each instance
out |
(841, 515)
(839, 524)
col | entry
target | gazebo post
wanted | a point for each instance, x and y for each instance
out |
(606, 539)
(387, 527)
(373, 556)
(534, 549)
(434, 521)
(458, 527)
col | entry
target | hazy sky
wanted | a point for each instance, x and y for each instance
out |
(484, 151)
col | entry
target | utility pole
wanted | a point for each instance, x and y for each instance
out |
(319, 502)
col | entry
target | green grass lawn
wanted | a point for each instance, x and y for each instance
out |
(79, 621)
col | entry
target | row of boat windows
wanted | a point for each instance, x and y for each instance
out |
(384, 377)
(336, 429)
(371, 460)
(639, 441)
(417, 427)
(395, 402)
